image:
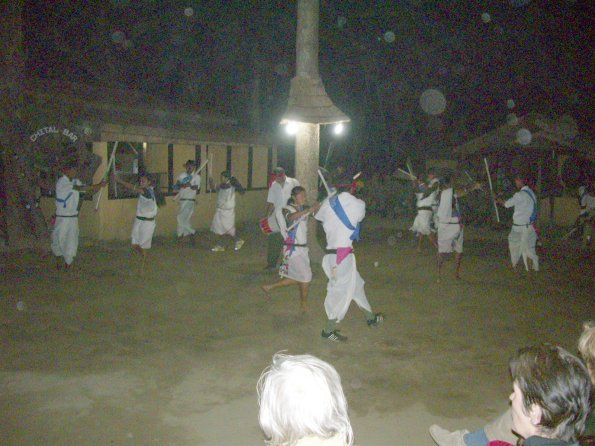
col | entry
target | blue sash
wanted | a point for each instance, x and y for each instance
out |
(187, 179)
(533, 217)
(63, 201)
(336, 206)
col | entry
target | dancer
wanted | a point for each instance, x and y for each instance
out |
(426, 196)
(188, 185)
(279, 193)
(586, 215)
(341, 216)
(522, 237)
(450, 224)
(146, 211)
(224, 220)
(65, 235)
(295, 268)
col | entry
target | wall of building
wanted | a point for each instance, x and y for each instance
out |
(114, 218)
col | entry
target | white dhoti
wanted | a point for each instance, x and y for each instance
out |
(344, 285)
(142, 233)
(422, 223)
(450, 238)
(296, 265)
(65, 238)
(224, 222)
(521, 242)
(184, 216)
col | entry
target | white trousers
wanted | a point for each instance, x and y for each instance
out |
(184, 216)
(422, 223)
(65, 238)
(142, 233)
(224, 222)
(521, 243)
(344, 285)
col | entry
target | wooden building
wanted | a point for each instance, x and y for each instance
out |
(542, 145)
(158, 140)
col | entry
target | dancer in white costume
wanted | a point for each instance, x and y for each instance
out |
(65, 235)
(224, 220)
(450, 224)
(295, 267)
(522, 238)
(146, 211)
(188, 185)
(426, 197)
(279, 193)
(341, 216)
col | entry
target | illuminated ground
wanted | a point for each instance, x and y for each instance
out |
(105, 357)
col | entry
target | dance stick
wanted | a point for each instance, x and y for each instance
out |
(106, 174)
(328, 190)
(413, 177)
(410, 169)
(197, 171)
(485, 160)
(210, 171)
(356, 176)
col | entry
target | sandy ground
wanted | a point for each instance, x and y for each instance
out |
(102, 356)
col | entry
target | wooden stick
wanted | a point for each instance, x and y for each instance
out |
(485, 160)
(413, 177)
(106, 174)
(324, 183)
(197, 171)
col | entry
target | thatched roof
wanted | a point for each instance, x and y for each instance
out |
(546, 134)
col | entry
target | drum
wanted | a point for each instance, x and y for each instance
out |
(269, 225)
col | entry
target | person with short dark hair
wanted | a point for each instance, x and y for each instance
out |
(65, 234)
(302, 403)
(224, 220)
(295, 267)
(146, 211)
(341, 217)
(550, 402)
(279, 193)
(523, 237)
(188, 185)
(450, 224)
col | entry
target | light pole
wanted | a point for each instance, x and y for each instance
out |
(309, 106)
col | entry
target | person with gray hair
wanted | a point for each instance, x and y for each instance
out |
(302, 403)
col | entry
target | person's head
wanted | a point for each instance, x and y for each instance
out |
(279, 174)
(301, 396)
(144, 180)
(190, 166)
(447, 180)
(70, 168)
(586, 347)
(523, 178)
(298, 195)
(551, 393)
(225, 176)
(431, 174)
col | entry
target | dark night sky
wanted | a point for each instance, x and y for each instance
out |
(478, 53)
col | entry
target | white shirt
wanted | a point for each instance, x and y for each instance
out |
(301, 234)
(67, 199)
(279, 194)
(587, 200)
(445, 209)
(337, 234)
(523, 206)
(187, 193)
(146, 207)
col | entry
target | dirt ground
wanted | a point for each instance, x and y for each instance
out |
(102, 356)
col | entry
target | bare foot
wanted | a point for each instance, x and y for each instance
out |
(266, 289)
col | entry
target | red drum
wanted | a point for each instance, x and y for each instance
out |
(269, 225)
(264, 226)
